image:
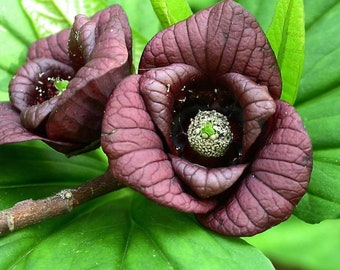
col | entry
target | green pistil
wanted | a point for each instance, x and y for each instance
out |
(209, 133)
(207, 129)
(61, 84)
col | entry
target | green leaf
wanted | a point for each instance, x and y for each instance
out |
(321, 69)
(170, 12)
(322, 119)
(42, 171)
(14, 40)
(125, 231)
(298, 245)
(49, 17)
(318, 103)
(287, 38)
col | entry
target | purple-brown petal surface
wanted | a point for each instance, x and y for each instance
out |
(256, 103)
(277, 179)
(53, 47)
(135, 151)
(160, 88)
(11, 129)
(221, 39)
(203, 181)
(81, 41)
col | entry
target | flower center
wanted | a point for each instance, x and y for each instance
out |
(209, 133)
(49, 87)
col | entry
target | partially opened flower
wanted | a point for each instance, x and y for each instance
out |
(201, 129)
(59, 94)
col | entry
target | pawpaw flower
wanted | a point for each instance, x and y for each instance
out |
(201, 128)
(59, 94)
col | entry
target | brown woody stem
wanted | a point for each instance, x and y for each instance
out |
(29, 212)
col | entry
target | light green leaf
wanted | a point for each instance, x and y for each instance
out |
(49, 17)
(170, 12)
(287, 38)
(14, 40)
(298, 245)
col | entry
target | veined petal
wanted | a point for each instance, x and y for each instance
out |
(161, 88)
(221, 39)
(53, 47)
(11, 129)
(256, 103)
(81, 41)
(136, 154)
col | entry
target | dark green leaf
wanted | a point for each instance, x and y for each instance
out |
(37, 170)
(322, 120)
(171, 11)
(287, 38)
(318, 103)
(321, 69)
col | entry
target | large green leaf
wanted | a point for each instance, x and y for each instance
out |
(321, 69)
(318, 102)
(171, 11)
(49, 17)
(322, 119)
(36, 170)
(298, 245)
(15, 38)
(287, 38)
(125, 231)
(122, 230)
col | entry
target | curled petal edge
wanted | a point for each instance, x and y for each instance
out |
(206, 182)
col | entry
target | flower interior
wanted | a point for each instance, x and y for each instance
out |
(50, 85)
(225, 110)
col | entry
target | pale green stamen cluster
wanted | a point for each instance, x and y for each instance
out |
(209, 133)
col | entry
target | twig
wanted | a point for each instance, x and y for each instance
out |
(29, 212)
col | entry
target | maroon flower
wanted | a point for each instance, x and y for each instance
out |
(59, 95)
(201, 128)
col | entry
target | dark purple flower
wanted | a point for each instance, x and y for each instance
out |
(201, 128)
(59, 94)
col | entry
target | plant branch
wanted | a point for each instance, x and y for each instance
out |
(29, 212)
